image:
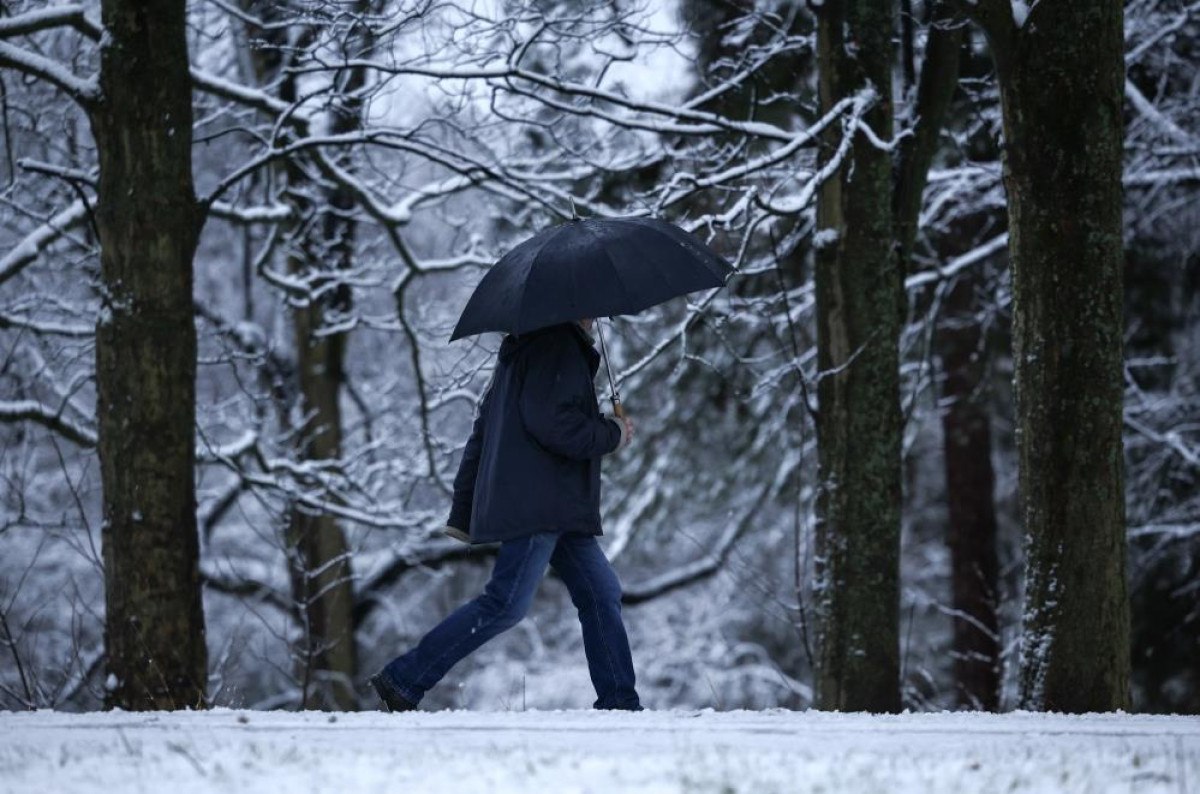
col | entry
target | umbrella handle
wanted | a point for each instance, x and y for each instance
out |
(618, 411)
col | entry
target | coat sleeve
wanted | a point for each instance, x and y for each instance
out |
(551, 402)
(468, 469)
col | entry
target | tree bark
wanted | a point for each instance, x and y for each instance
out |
(318, 555)
(965, 427)
(1061, 78)
(939, 79)
(859, 310)
(148, 221)
(970, 489)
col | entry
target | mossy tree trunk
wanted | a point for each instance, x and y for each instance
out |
(860, 301)
(148, 221)
(1061, 73)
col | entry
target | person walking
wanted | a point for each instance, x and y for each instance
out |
(530, 479)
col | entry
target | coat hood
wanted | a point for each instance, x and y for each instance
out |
(515, 343)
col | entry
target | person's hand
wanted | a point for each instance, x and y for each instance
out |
(626, 425)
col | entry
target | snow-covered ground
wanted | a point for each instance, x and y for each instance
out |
(586, 751)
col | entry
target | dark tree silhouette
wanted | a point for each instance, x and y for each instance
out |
(149, 221)
(860, 300)
(1061, 76)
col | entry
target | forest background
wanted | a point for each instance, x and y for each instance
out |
(345, 172)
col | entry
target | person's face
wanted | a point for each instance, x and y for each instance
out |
(586, 323)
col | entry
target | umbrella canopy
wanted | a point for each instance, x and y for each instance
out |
(593, 267)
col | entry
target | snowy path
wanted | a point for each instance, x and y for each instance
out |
(460, 752)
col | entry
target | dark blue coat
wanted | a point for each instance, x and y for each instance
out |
(532, 463)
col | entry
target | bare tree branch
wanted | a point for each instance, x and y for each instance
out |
(48, 18)
(26, 252)
(33, 411)
(85, 92)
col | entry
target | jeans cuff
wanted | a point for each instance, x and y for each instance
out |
(410, 695)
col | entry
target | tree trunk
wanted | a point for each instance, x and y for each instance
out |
(149, 221)
(965, 428)
(1061, 88)
(321, 242)
(939, 79)
(318, 554)
(970, 488)
(859, 310)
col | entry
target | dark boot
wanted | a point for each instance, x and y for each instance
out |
(392, 699)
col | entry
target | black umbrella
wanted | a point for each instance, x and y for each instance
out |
(594, 267)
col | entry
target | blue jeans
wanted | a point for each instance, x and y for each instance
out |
(520, 565)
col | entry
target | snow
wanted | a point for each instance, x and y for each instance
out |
(28, 248)
(591, 751)
(1020, 11)
(825, 238)
(50, 69)
(39, 19)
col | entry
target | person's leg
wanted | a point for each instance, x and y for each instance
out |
(520, 565)
(596, 593)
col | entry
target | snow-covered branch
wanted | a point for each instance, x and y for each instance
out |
(50, 418)
(700, 569)
(684, 118)
(1169, 128)
(27, 250)
(84, 91)
(47, 18)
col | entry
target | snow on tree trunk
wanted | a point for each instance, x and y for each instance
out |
(1061, 78)
(859, 312)
(148, 221)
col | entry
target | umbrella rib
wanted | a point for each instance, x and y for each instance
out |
(671, 284)
(528, 276)
(671, 232)
(612, 263)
